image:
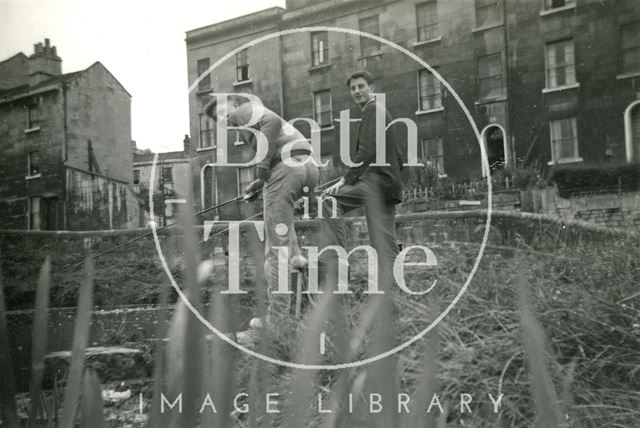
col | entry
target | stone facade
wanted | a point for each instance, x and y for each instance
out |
(611, 209)
(65, 158)
(518, 68)
(170, 182)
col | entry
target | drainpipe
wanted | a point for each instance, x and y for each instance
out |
(64, 156)
(508, 140)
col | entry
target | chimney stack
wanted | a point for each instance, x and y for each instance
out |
(44, 63)
(186, 146)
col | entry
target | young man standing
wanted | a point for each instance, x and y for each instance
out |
(285, 174)
(376, 187)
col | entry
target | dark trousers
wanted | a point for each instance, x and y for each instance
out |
(380, 216)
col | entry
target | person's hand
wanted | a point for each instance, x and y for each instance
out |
(254, 187)
(333, 189)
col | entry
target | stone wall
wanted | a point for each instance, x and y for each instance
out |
(610, 209)
(128, 278)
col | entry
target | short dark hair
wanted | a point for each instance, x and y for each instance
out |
(212, 105)
(360, 74)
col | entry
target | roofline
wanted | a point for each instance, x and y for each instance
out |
(13, 56)
(166, 161)
(243, 20)
(28, 91)
(110, 73)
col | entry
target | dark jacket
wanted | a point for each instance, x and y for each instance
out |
(389, 176)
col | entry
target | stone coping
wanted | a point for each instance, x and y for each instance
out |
(400, 218)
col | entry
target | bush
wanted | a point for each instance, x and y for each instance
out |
(594, 178)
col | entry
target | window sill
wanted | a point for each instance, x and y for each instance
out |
(561, 88)
(242, 83)
(370, 55)
(30, 130)
(433, 110)
(566, 160)
(490, 100)
(207, 91)
(628, 75)
(427, 42)
(319, 67)
(487, 27)
(557, 10)
(327, 127)
(31, 177)
(205, 149)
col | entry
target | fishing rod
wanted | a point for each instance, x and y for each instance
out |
(144, 235)
(245, 197)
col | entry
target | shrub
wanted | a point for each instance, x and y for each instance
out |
(593, 178)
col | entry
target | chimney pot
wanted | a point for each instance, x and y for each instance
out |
(47, 42)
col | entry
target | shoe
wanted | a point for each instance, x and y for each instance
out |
(256, 323)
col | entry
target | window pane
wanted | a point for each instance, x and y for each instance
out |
(319, 48)
(432, 154)
(427, 15)
(430, 91)
(372, 26)
(322, 108)
(136, 176)
(34, 163)
(34, 214)
(242, 66)
(33, 117)
(488, 12)
(564, 139)
(560, 64)
(203, 66)
(490, 78)
(245, 176)
(207, 130)
(552, 4)
(630, 47)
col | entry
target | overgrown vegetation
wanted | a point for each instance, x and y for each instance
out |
(555, 327)
(428, 182)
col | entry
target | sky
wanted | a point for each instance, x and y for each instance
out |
(140, 41)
